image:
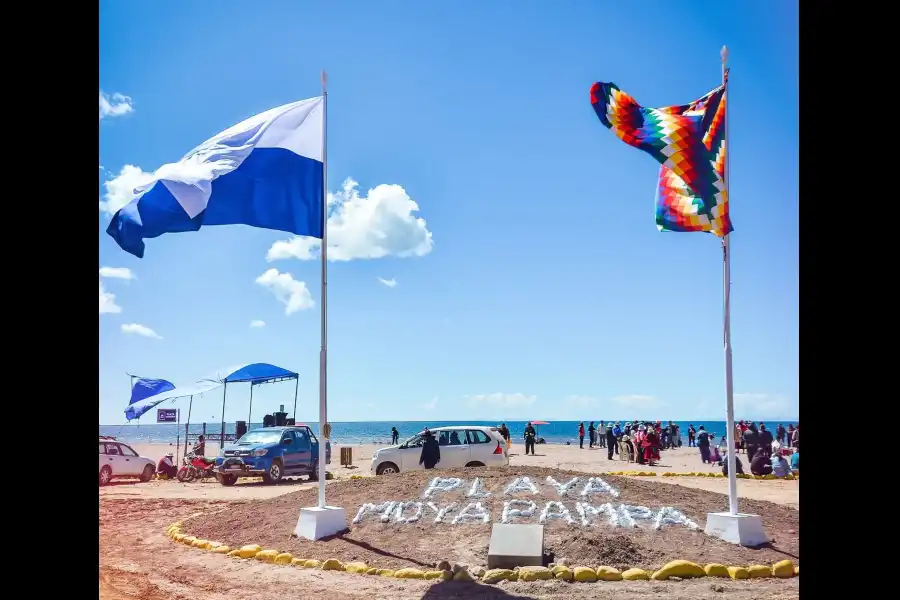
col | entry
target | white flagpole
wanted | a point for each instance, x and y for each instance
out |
(323, 353)
(726, 283)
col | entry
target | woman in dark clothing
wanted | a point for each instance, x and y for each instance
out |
(395, 436)
(751, 440)
(761, 463)
(703, 444)
(692, 435)
(592, 435)
(765, 439)
(431, 451)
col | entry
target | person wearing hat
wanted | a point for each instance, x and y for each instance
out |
(166, 468)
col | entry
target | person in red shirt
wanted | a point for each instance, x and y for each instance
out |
(743, 427)
(581, 435)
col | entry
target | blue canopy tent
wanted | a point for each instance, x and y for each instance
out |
(252, 373)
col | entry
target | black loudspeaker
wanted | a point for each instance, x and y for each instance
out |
(280, 418)
(269, 421)
(290, 422)
(240, 428)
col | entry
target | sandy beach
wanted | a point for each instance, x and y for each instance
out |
(555, 456)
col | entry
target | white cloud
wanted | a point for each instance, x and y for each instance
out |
(137, 329)
(117, 273)
(257, 323)
(637, 401)
(758, 406)
(108, 302)
(581, 401)
(431, 404)
(388, 282)
(115, 105)
(500, 400)
(379, 224)
(290, 292)
(120, 190)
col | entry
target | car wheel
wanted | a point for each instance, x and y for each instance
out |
(314, 474)
(387, 468)
(475, 463)
(147, 475)
(105, 475)
(274, 473)
(226, 480)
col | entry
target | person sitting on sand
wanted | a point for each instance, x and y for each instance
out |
(738, 465)
(761, 463)
(166, 469)
(431, 451)
(780, 466)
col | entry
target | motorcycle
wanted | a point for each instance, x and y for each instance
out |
(193, 468)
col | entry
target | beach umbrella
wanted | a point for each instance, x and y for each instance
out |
(536, 424)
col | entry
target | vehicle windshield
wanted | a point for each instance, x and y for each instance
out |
(261, 437)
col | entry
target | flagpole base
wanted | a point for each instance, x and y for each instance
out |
(741, 529)
(316, 523)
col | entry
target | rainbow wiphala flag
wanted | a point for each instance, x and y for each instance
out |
(689, 143)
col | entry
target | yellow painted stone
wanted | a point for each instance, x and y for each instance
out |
(564, 574)
(534, 574)
(372, 571)
(789, 477)
(248, 551)
(797, 571)
(720, 474)
(769, 476)
(434, 574)
(635, 574)
(584, 574)
(313, 564)
(332, 564)
(738, 573)
(605, 573)
(495, 575)
(267, 555)
(679, 568)
(221, 550)
(298, 562)
(409, 573)
(284, 558)
(759, 571)
(199, 543)
(446, 575)
(179, 537)
(716, 570)
(356, 567)
(236, 553)
(783, 569)
(188, 540)
(386, 572)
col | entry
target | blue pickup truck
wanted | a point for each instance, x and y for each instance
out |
(272, 453)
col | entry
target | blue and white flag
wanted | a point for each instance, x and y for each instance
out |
(265, 172)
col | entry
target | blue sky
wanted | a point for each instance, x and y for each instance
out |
(529, 278)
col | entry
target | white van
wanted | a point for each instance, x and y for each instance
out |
(461, 446)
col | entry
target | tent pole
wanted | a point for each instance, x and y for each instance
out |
(249, 414)
(296, 386)
(187, 426)
(222, 435)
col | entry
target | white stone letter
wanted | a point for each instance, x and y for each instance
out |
(562, 488)
(670, 516)
(439, 484)
(441, 512)
(477, 490)
(473, 512)
(587, 512)
(595, 485)
(510, 513)
(559, 512)
(401, 506)
(522, 484)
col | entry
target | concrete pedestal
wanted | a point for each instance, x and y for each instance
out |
(516, 545)
(742, 529)
(316, 523)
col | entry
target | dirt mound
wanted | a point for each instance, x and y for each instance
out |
(422, 543)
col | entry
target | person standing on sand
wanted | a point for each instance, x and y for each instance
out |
(612, 444)
(395, 436)
(581, 435)
(703, 444)
(692, 436)
(795, 437)
(601, 435)
(503, 430)
(431, 452)
(781, 434)
(592, 434)
(529, 438)
(765, 438)
(751, 440)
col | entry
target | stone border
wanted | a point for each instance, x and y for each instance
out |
(676, 569)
